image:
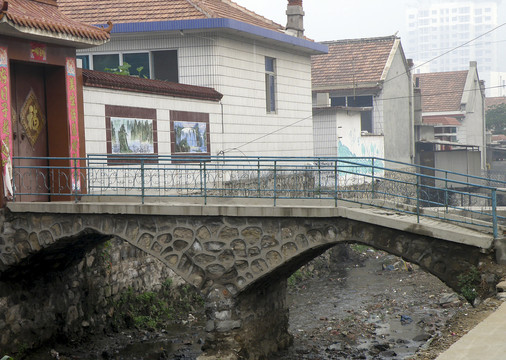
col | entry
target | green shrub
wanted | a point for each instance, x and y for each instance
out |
(468, 284)
(153, 310)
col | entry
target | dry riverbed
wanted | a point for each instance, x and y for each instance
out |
(365, 305)
(376, 306)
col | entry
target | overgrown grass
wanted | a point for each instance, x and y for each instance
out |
(359, 248)
(468, 284)
(298, 276)
(153, 310)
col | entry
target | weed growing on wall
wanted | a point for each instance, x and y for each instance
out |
(468, 284)
(153, 310)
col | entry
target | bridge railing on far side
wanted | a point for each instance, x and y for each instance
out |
(407, 188)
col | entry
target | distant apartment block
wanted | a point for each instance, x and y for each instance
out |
(435, 27)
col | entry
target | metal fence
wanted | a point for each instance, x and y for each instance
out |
(412, 189)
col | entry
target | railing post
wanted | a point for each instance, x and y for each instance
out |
(446, 191)
(372, 183)
(319, 179)
(335, 183)
(258, 178)
(75, 181)
(142, 180)
(88, 175)
(275, 182)
(494, 213)
(205, 184)
(200, 173)
(418, 198)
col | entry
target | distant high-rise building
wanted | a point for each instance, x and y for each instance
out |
(435, 27)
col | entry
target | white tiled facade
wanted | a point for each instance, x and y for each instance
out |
(235, 67)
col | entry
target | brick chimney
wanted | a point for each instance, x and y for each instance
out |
(295, 17)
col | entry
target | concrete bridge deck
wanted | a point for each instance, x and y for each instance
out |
(257, 208)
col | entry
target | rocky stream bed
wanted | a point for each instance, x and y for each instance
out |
(365, 305)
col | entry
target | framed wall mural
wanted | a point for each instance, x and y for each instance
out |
(190, 134)
(130, 131)
(132, 136)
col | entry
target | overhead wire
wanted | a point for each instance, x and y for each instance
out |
(385, 81)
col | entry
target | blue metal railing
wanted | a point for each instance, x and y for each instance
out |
(403, 187)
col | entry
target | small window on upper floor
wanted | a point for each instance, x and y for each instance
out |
(105, 62)
(338, 101)
(160, 65)
(139, 64)
(366, 122)
(85, 61)
(360, 101)
(270, 84)
(165, 65)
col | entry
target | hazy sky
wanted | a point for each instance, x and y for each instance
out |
(335, 20)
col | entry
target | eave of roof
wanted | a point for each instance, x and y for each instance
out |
(231, 25)
(442, 142)
(349, 89)
(441, 121)
(43, 21)
(157, 87)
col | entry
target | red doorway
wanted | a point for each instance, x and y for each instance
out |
(29, 131)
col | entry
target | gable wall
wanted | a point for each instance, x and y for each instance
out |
(398, 120)
(473, 127)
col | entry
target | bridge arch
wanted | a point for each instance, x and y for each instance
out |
(236, 252)
(239, 263)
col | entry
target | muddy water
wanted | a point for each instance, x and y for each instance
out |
(377, 308)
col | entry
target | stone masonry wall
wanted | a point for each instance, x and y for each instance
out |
(250, 326)
(75, 301)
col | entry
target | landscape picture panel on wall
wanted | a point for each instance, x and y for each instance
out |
(131, 133)
(190, 135)
(132, 136)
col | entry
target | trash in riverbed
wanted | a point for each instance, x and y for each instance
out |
(405, 319)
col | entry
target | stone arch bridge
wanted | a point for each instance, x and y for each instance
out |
(239, 257)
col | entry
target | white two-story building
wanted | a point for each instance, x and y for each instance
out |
(261, 69)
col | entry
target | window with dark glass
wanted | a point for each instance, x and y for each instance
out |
(85, 61)
(366, 121)
(270, 84)
(338, 101)
(360, 101)
(105, 62)
(139, 64)
(165, 65)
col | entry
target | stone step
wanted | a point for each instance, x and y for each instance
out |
(501, 296)
(501, 287)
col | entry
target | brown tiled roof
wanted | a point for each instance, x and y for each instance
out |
(44, 15)
(130, 83)
(499, 137)
(441, 91)
(131, 11)
(440, 120)
(494, 101)
(350, 63)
